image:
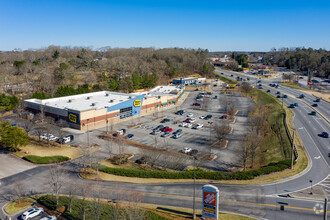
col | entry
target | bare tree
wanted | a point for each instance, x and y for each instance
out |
(72, 190)
(245, 87)
(254, 142)
(18, 190)
(133, 211)
(243, 153)
(56, 180)
(221, 130)
(84, 192)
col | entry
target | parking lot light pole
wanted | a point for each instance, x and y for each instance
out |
(194, 214)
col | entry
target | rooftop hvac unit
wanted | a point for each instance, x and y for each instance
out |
(107, 94)
(129, 97)
(88, 97)
(93, 104)
(111, 101)
(69, 100)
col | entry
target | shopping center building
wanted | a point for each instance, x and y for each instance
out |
(99, 109)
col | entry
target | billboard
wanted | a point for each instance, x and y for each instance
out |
(210, 201)
(73, 118)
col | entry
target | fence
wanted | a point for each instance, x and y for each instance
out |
(290, 138)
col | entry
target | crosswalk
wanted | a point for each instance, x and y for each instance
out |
(326, 185)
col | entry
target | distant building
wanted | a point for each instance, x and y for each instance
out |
(185, 81)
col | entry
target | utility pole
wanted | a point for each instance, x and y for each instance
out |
(194, 214)
(292, 151)
(325, 209)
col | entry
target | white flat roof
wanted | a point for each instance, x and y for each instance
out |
(160, 90)
(87, 101)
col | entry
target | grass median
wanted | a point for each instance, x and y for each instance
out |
(46, 160)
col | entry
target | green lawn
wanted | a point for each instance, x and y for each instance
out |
(45, 160)
(274, 151)
(225, 79)
(291, 85)
(107, 211)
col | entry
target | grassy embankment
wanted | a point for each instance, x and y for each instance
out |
(225, 79)
(290, 84)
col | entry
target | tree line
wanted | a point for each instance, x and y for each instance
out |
(315, 62)
(112, 69)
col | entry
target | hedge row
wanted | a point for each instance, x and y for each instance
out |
(45, 160)
(200, 174)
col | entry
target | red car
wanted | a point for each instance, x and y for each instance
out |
(196, 104)
(187, 120)
(168, 130)
(164, 128)
(224, 117)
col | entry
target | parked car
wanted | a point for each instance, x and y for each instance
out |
(183, 124)
(208, 116)
(186, 150)
(215, 97)
(168, 130)
(190, 115)
(193, 152)
(52, 137)
(49, 217)
(188, 125)
(165, 120)
(224, 117)
(177, 131)
(325, 135)
(187, 120)
(142, 160)
(198, 126)
(202, 117)
(176, 136)
(32, 213)
(44, 136)
(121, 131)
(66, 139)
(180, 112)
(159, 127)
(166, 134)
(315, 105)
(156, 132)
(313, 113)
(317, 100)
(192, 120)
(196, 104)
(164, 128)
(130, 136)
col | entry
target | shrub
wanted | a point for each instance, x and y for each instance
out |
(45, 160)
(200, 174)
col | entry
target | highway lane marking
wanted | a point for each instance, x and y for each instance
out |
(317, 157)
(200, 198)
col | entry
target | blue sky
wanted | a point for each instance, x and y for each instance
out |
(215, 25)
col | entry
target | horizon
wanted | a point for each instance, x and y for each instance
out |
(256, 26)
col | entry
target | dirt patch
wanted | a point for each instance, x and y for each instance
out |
(220, 144)
(136, 125)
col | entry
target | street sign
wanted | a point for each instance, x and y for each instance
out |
(210, 201)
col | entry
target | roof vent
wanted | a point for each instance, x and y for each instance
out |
(93, 104)
(88, 97)
(69, 100)
(106, 94)
(129, 97)
(111, 101)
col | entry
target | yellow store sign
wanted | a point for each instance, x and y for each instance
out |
(137, 103)
(73, 118)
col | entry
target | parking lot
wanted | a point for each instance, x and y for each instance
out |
(201, 138)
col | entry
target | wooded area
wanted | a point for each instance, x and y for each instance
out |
(123, 70)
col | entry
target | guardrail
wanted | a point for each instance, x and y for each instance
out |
(295, 152)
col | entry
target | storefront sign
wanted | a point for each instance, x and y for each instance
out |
(137, 103)
(210, 201)
(73, 118)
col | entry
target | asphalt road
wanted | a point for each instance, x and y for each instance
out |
(260, 201)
